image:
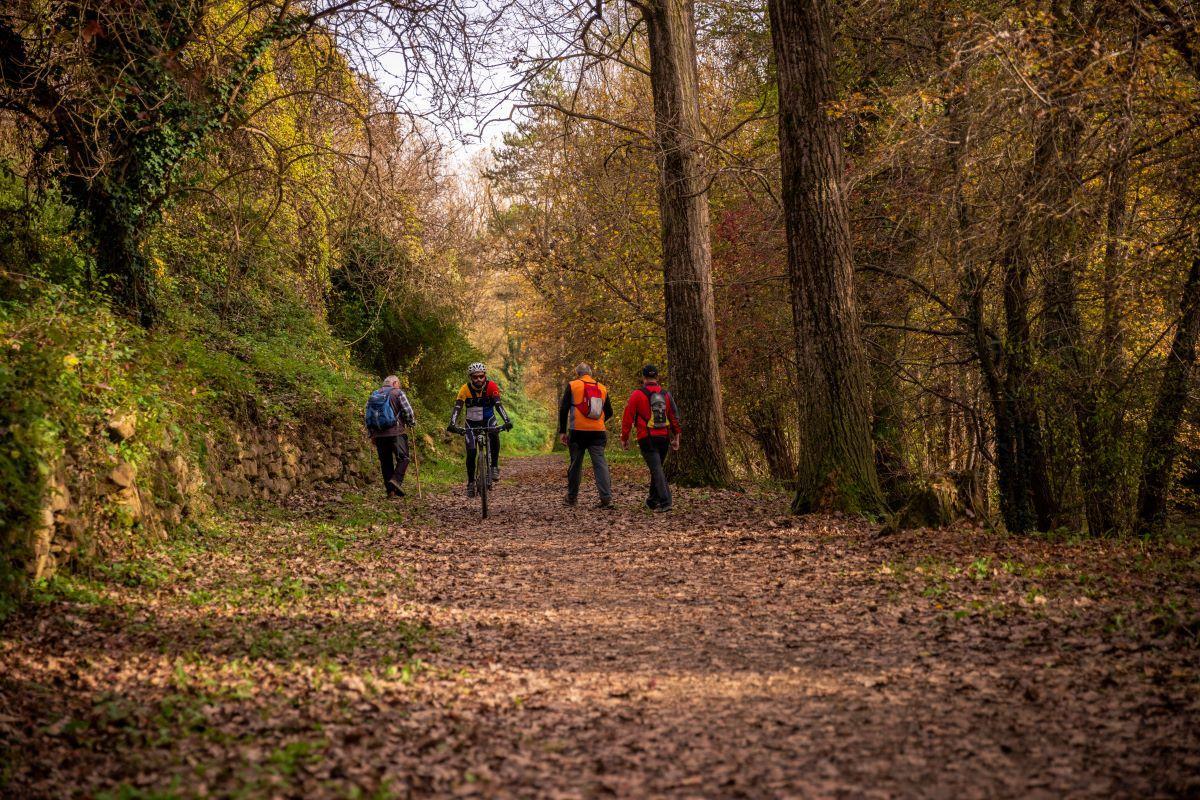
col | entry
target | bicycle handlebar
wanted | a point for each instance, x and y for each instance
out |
(463, 429)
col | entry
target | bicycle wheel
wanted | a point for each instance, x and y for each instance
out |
(481, 476)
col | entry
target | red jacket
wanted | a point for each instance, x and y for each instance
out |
(638, 410)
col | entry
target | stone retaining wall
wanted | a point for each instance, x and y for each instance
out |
(86, 506)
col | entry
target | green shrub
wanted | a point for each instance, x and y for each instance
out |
(69, 365)
(533, 426)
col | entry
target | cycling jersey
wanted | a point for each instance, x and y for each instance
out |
(479, 405)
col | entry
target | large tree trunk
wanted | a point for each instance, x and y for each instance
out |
(1162, 444)
(836, 467)
(687, 255)
(107, 219)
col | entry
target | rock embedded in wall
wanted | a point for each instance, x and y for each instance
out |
(122, 426)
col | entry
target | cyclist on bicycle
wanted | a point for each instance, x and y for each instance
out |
(480, 398)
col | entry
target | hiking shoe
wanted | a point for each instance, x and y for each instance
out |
(569, 500)
(495, 474)
(471, 489)
(662, 509)
(606, 503)
(394, 489)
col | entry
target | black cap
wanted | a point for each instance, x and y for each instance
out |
(649, 371)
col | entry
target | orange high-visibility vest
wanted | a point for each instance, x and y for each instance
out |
(580, 421)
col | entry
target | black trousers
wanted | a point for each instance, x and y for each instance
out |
(654, 451)
(493, 446)
(393, 458)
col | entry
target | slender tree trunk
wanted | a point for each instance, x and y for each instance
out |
(687, 255)
(836, 467)
(1043, 222)
(1101, 422)
(1067, 384)
(1162, 444)
(972, 481)
(988, 349)
(773, 441)
(1115, 252)
(1004, 364)
(1108, 495)
(1026, 500)
(887, 420)
(1083, 375)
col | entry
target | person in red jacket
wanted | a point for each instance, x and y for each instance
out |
(654, 412)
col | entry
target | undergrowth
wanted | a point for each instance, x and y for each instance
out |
(221, 361)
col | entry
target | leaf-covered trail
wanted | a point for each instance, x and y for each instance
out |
(724, 650)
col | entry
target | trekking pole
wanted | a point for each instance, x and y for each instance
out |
(417, 467)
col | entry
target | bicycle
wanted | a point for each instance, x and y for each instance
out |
(483, 460)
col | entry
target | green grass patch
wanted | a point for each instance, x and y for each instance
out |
(136, 573)
(71, 589)
(980, 569)
(286, 760)
(126, 791)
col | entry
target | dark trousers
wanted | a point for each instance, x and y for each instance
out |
(393, 459)
(654, 451)
(493, 446)
(588, 442)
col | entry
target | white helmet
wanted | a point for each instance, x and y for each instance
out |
(476, 367)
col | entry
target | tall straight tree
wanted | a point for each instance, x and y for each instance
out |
(837, 465)
(686, 249)
(1162, 436)
(690, 319)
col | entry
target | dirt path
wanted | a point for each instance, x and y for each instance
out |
(724, 650)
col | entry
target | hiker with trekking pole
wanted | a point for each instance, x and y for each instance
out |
(388, 417)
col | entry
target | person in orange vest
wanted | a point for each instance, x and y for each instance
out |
(584, 409)
(653, 410)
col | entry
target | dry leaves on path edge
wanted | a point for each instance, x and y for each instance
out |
(354, 649)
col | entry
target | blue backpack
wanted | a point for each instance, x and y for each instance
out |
(380, 414)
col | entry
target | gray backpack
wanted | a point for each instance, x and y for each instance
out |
(659, 418)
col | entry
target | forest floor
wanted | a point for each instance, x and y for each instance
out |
(359, 649)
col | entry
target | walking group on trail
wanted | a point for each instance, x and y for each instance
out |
(650, 415)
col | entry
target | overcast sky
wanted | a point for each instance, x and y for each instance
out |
(466, 136)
